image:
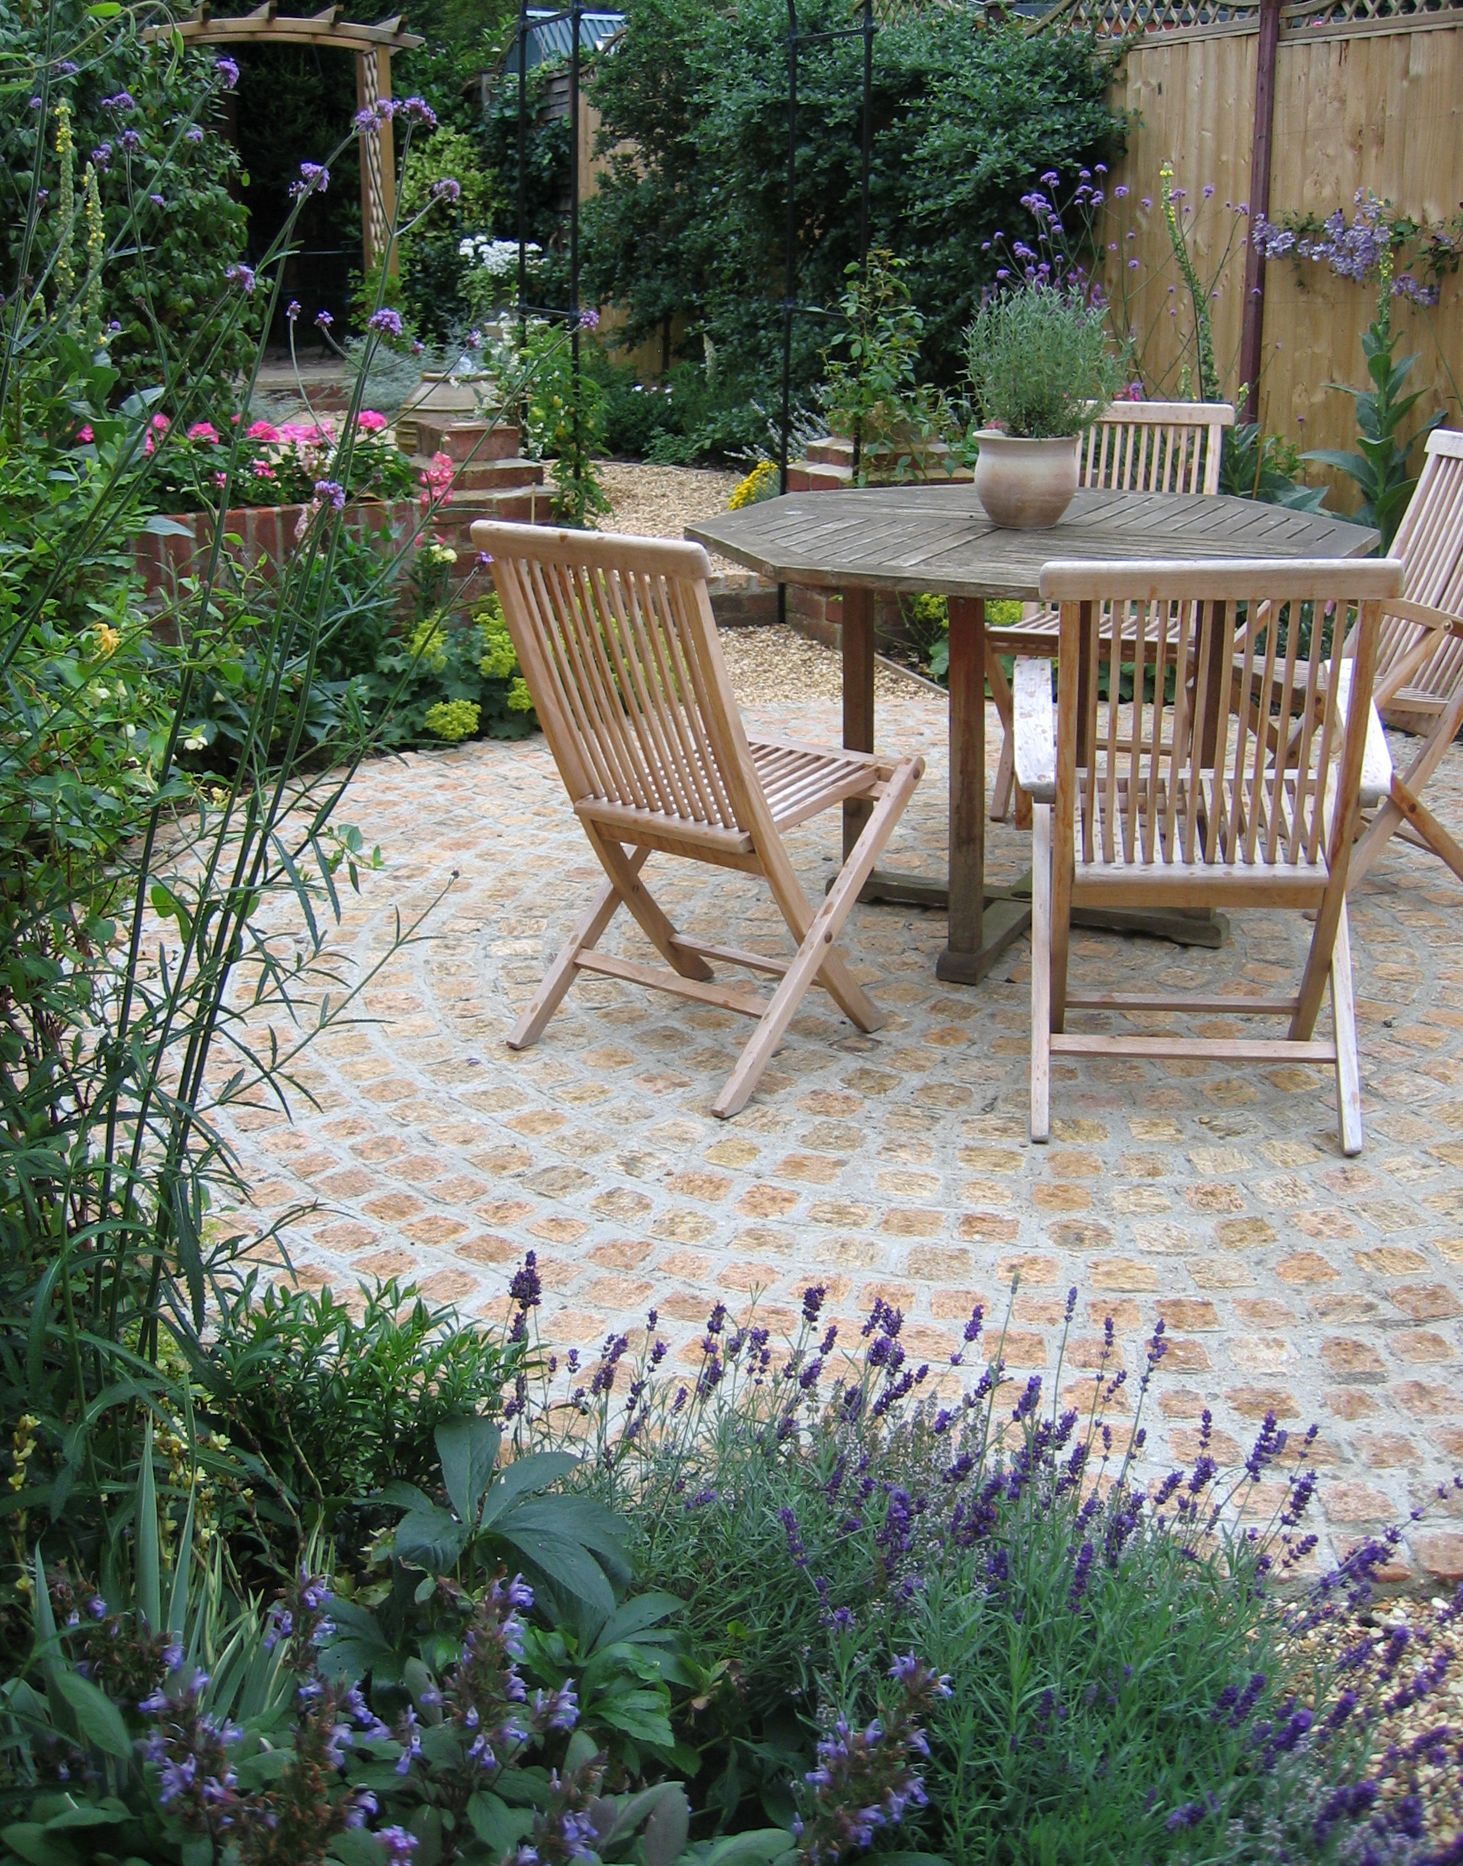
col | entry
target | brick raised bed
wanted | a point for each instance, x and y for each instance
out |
(267, 535)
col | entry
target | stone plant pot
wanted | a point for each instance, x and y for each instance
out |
(1025, 485)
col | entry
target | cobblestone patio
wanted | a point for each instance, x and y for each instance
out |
(898, 1165)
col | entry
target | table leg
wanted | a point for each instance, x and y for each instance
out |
(858, 696)
(980, 927)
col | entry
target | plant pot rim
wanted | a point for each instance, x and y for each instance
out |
(1003, 434)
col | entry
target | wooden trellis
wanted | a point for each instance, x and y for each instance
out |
(372, 46)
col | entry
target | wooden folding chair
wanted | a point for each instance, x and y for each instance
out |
(618, 646)
(1176, 798)
(1419, 685)
(1134, 447)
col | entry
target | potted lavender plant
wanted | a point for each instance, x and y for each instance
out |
(1041, 371)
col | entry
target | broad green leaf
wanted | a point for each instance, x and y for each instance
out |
(468, 1449)
(149, 1565)
(636, 1614)
(431, 1538)
(496, 1824)
(28, 1839)
(565, 1565)
(97, 1717)
(525, 1477)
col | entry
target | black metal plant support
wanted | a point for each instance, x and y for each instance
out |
(572, 313)
(792, 309)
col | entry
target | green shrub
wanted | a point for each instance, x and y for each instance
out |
(688, 221)
(1123, 1687)
(336, 1403)
(140, 911)
(147, 265)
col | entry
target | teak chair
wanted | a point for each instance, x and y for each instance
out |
(1176, 799)
(1419, 683)
(618, 646)
(1133, 447)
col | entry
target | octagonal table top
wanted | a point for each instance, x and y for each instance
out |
(938, 539)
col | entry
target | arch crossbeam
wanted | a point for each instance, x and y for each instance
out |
(372, 47)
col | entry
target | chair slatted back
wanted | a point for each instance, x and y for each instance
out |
(1156, 446)
(1430, 543)
(619, 649)
(1136, 776)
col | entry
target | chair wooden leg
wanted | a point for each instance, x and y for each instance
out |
(562, 973)
(1404, 807)
(817, 957)
(1006, 769)
(623, 871)
(1041, 976)
(1348, 1066)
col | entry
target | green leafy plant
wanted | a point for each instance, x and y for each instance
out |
(1376, 243)
(563, 422)
(1381, 465)
(139, 910)
(335, 1399)
(686, 230)
(1039, 361)
(871, 385)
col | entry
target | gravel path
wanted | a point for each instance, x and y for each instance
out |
(766, 664)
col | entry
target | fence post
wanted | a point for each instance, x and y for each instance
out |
(1252, 321)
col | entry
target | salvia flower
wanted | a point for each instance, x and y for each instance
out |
(385, 322)
(228, 72)
(241, 276)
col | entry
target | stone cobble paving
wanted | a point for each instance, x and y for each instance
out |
(897, 1165)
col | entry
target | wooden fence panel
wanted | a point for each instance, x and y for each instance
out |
(1376, 105)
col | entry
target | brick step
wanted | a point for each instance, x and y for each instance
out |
(484, 475)
(466, 440)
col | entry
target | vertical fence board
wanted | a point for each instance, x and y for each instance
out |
(1365, 108)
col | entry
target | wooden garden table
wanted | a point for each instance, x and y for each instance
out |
(937, 539)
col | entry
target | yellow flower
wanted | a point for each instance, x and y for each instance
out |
(108, 639)
(757, 485)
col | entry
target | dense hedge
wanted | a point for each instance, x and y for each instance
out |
(689, 220)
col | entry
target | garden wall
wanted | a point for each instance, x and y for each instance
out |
(1359, 103)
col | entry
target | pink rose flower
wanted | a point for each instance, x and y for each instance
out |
(371, 420)
(263, 431)
(204, 431)
(261, 469)
(84, 434)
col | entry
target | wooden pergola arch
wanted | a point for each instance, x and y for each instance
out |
(372, 46)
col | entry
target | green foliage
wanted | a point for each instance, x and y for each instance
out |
(402, 676)
(1257, 465)
(1039, 361)
(564, 422)
(569, 1546)
(334, 1403)
(688, 222)
(871, 386)
(435, 278)
(1380, 467)
(927, 629)
(140, 912)
(169, 221)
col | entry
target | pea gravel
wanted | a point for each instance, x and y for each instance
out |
(767, 664)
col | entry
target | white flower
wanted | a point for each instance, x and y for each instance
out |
(498, 258)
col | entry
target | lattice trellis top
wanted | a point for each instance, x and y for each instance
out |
(266, 22)
(1127, 18)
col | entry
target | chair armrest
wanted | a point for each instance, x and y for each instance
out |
(1032, 729)
(1376, 760)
